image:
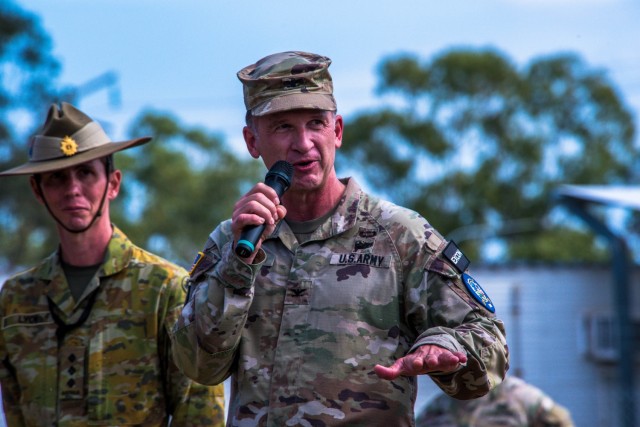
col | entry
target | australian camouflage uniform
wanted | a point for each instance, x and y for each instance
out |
(302, 328)
(102, 360)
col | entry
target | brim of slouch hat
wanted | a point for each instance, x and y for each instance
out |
(50, 165)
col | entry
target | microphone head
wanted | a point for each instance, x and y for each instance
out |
(282, 170)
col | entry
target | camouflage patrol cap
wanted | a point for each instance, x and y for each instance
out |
(288, 81)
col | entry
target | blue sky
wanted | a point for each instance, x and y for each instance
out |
(182, 56)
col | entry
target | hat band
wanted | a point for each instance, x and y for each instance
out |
(89, 136)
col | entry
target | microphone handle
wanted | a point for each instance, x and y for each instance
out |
(250, 233)
(279, 178)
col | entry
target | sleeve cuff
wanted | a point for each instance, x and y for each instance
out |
(235, 273)
(441, 340)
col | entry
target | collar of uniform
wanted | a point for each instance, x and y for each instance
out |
(118, 253)
(56, 288)
(346, 215)
(48, 267)
(344, 218)
(117, 258)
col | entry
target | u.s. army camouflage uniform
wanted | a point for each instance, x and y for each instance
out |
(114, 368)
(302, 329)
(513, 403)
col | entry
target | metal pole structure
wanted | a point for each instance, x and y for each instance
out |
(107, 80)
(622, 297)
(516, 333)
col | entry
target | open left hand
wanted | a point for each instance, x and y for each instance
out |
(426, 359)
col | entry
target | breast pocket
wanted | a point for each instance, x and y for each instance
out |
(357, 280)
(125, 382)
(32, 351)
(355, 308)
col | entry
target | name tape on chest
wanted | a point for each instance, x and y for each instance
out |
(353, 258)
(457, 258)
(30, 319)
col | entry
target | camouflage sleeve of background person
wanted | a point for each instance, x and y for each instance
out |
(191, 404)
(458, 316)
(554, 416)
(9, 385)
(514, 403)
(209, 360)
(541, 410)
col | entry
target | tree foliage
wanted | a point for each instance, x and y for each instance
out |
(175, 190)
(474, 143)
(27, 85)
(471, 141)
(179, 186)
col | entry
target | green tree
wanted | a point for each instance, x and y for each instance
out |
(27, 75)
(176, 188)
(475, 144)
(179, 186)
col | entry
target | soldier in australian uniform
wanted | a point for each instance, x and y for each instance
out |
(84, 334)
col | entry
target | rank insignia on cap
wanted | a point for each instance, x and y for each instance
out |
(478, 293)
(457, 258)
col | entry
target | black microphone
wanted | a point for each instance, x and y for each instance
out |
(279, 178)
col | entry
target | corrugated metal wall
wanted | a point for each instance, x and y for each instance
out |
(547, 337)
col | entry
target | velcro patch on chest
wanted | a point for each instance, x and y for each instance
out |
(365, 239)
(30, 319)
(357, 258)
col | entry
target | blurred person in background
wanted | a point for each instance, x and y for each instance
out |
(513, 403)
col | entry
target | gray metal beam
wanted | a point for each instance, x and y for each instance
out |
(622, 298)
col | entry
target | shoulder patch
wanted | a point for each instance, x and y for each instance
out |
(455, 255)
(201, 264)
(478, 293)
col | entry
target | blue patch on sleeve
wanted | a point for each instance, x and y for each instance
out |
(478, 293)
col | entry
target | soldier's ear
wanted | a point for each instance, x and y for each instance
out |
(35, 188)
(115, 179)
(251, 140)
(338, 130)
